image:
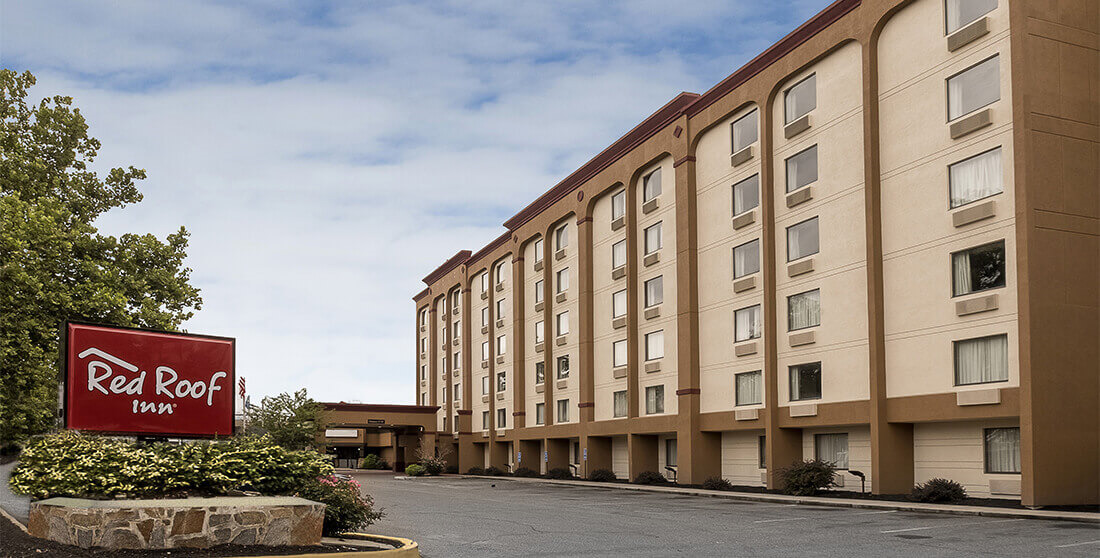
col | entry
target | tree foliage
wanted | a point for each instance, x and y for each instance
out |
(293, 421)
(54, 264)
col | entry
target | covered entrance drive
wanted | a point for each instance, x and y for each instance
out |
(393, 433)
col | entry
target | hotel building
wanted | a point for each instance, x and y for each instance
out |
(877, 243)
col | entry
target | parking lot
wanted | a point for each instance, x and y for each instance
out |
(459, 517)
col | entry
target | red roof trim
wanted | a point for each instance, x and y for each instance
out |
(455, 261)
(500, 240)
(421, 294)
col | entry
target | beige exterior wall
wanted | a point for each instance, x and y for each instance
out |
(531, 317)
(603, 287)
(571, 389)
(505, 273)
(956, 450)
(859, 454)
(478, 404)
(741, 458)
(620, 457)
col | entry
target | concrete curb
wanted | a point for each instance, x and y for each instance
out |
(8, 516)
(1082, 517)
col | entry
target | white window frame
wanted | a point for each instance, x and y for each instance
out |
(618, 254)
(654, 228)
(655, 345)
(618, 353)
(561, 323)
(618, 309)
(562, 279)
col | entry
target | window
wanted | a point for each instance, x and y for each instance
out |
(561, 237)
(563, 410)
(762, 445)
(563, 367)
(563, 280)
(802, 168)
(832, 448)
(485, 282)
(563, 323)
(746, 194)
(655, 345)
(502, 344)
(654, 292)
(802, 239)
(502, 418)
(806, 381)
(538, 291)
(618, 205)
(456, 298)
(973, 88)
(654, 400)
(982, 360)
(746, 259)
(484, 385)
(651, 185)
(652, 238)
(540, 413)
(978, 177)
(502, 381)
(618, 353)
(423, 317)
(500, 273)
(748, 323)
(540, 372)
(500, 309)
(576, 452)
(485, 316)
(619, 407)
(456, 392)
(670, 452)
(538, 250)
(424, 372)
(484, 420)
(1002, 450)
(540, 331)
(978, 269)
(424, 343)
(745, 131)
(800, 99)
(485, 350)
(423, 399)
(748, 388)
(618, 254)
(618, 304)
(457, 358)
(456, 330)
(962, 12)
(804, 310)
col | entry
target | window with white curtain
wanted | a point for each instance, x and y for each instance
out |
(748, 323)
(748, 387)
(1002, 450)
(456, 329)
(561, 237)
(654, 291)
(484, 420)
(618, 204)
(804, 310)
(802, 239)
(832, 448)
(973, 88)
(651, 185)
(670, 452)
(563, 280)
(424, 372)
(423, 317)
(502, 344)
(456, 391)
(423, 344)
(652, 238)
(540, 331)
(485, 316)
(979, 268)
(484, 385)
(502, 381)
(500, 309)
(982, 360)
(540, 372)
(654, 400)
(485, 281)
(540, 413)
(618, 353)
(563, 323)
(655, 345)
(502, 418)
(975, 178)
(618, 254)
(962, 12)
(538, 291)
(618, 304)
(501, 272)
(746, 259)
(563, 410)
(485, 350)
(800, 99)
(745, 130)
(746, 194)
(456, 359)
(563, 367)
(619, 404)
(538, 250)
(805, 381)
(802, 168)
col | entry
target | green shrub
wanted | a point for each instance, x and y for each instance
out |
(717, 483)
(414, 470)
(494, 471)
(939, 491)
(559, 473)
(433, 465)
(602, 475)
(346, 507)
(372, 461)
(524, 472)
(807, 478)
(85, 466)
(475, 471)
(452, 469)
(650, 477)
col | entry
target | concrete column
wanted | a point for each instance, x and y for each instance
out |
(599, 454)
(531, 454)
(498, 455)
(586, 359)
(699, 456)
(642, 449)
(558, 453)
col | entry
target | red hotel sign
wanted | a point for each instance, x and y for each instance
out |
(148, 382)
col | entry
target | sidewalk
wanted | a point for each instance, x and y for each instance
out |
(1084, 517)
(17, 505)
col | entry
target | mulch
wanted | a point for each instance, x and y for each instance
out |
(14, 543)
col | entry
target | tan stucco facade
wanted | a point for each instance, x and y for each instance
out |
(888, 317)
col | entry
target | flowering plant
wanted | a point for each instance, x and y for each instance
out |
(347, 508)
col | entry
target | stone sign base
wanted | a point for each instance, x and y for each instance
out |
(186, 522)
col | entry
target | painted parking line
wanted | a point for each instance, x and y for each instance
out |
(777, 520)
(947, 526)
(1077, 544)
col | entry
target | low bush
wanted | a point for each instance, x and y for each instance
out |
(86, 466)
(650, 477)
(433, 465)
(602, 475)
(807, 478)
(372, 461)
(475, 471)
(346, 507)
(414, 470)
(452, 469)
(939, 491)
(559, 473)
(717, 483)
(493, 471)
(525, 472)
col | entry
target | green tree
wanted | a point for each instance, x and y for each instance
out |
(54, 264)
(292, 420)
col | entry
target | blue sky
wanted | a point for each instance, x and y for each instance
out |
(327, 155)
